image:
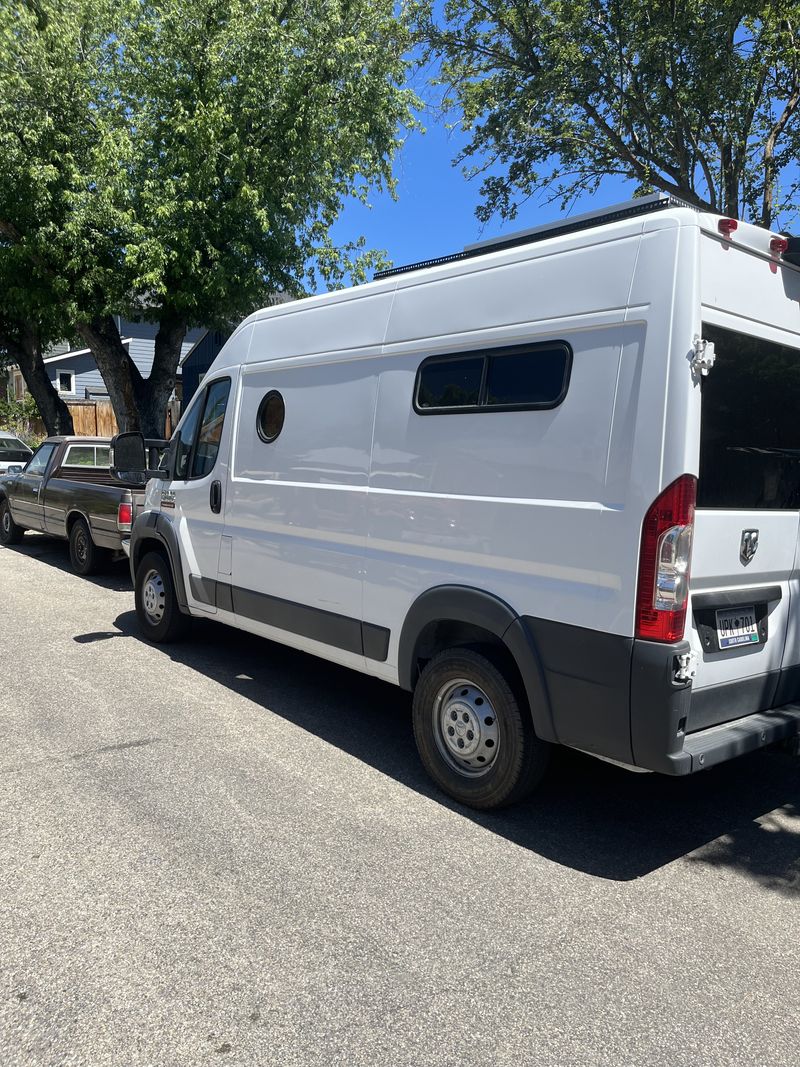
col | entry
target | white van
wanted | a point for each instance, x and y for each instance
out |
(486, 479)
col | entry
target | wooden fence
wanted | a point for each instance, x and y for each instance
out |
(95, 418)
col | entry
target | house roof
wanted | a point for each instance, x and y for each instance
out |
(74, 352)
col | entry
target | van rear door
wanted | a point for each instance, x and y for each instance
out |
(745, 582)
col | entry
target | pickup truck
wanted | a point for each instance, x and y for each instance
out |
(66, 490)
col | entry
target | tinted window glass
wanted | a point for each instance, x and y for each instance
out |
(40, 460)
(208, 439)
(188, 432)
(271, 414)
(450, 383)
(750, 430)
(533, 378)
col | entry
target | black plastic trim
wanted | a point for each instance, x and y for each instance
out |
(375, 640)
(734, 598)
(716, 704)
(339, 631)
(706, 621)
(659, 707)
(463, 604)
(720, 743)
(152, 526)
(587, 673)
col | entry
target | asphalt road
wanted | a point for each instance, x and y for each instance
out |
(227, 852)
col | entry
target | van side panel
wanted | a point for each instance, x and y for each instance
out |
(297, 518)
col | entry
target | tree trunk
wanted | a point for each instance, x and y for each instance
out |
(116, 367)
(139, 403)
(154, 392)
(28, 354)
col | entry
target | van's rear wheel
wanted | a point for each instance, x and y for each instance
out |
(474, 737)
(10, 533)
(160, 618)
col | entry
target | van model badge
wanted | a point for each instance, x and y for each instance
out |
(748, 547)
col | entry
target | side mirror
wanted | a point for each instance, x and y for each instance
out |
(128, 458)
(14, 468)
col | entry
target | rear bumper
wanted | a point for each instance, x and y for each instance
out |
(719, 743)
(622, 698)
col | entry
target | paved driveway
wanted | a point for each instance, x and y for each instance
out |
(226, 852)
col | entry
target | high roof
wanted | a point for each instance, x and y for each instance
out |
(643, 205)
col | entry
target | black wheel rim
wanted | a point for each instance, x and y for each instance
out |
(81, 547)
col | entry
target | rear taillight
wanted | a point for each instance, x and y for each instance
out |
(124, 516)
(664, 560)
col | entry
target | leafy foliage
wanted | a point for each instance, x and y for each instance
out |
(20, 417)
(692, 97)
(181, 160)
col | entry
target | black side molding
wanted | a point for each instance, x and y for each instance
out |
(338, 631)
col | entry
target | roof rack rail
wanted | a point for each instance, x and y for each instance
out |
(628, 209)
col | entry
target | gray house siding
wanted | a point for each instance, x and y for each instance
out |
(88, 381)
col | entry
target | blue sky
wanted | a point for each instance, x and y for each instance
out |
(435, 211)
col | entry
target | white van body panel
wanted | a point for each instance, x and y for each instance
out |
(333, 533)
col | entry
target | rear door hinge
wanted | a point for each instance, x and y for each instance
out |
(687, 666)
(704, 356)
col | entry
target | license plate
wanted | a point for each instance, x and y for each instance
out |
(737, 626)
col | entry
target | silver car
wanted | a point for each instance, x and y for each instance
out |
(13, 452)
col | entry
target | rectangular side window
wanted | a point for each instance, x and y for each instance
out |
(513, 378)
(94, 456)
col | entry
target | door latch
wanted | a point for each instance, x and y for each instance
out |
(215, 497)
(704, 356)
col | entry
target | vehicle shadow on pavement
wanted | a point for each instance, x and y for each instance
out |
(588, 815)
(55, 553)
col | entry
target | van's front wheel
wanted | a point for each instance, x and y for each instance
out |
(474, 738)
(160, 618)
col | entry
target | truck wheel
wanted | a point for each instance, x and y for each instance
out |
(474, 738)
(84, 555)
(160, 618)
(10, 533)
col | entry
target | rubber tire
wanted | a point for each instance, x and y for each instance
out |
(94, 557)
(10, 533)
(174, 624)
(522, 758)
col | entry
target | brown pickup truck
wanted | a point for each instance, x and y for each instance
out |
(66, 490)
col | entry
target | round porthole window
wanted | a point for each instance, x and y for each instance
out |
(271, 413)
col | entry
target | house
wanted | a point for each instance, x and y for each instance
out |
(74, 372)
(197, 361)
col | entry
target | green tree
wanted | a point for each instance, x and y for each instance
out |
(178, 161)
(694, 98)
(30, 321)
